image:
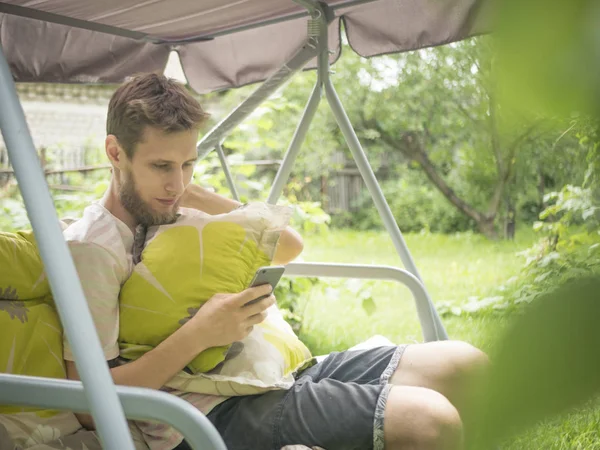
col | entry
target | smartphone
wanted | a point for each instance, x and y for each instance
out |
(266, 275)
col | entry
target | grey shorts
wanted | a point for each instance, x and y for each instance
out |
(337, 404)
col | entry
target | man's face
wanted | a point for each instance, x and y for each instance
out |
(157, 175)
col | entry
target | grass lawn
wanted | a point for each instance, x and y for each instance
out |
(455, 268)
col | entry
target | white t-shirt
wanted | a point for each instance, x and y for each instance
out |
(101, 247)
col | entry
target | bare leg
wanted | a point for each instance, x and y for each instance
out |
(451, 368)
(421, 419)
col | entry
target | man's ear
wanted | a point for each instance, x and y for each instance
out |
(114, 151)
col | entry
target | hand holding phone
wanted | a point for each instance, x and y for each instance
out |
(266, 275)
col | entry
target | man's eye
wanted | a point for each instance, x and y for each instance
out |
(160, 166)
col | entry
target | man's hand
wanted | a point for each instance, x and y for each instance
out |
(226, 318)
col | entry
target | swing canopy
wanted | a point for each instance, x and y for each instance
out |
(221, 43)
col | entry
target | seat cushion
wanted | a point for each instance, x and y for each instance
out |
(30, 330)
(22, 276)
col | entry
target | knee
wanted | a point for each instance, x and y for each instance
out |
(465, 360)
(421, 419)
(442, 426)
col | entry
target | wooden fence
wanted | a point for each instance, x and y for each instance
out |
(57, 164)
(339, 190)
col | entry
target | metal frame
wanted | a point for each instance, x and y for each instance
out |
(138, 403)
(214, 137)
(432, 330)
(321, 16)
(66, 288)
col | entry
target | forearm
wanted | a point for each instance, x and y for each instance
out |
(197, 197)
(154, 369)
(290, 243)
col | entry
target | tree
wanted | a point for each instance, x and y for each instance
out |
(435, 108)
(441, 112)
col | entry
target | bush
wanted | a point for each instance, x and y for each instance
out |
(289, 293)
(415, 204)
(568, 249)
(307, 217)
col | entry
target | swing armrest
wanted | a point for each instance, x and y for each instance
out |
(138, 403)
(431, 324)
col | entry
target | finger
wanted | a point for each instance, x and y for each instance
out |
(257, 318)
(260, 305)
(220, 298)
(250, 329)
(252, 294)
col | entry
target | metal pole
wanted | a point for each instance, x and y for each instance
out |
(64, 282)
(138, 403)
(227, 171)
(283, 174)
(370, 180)
(323, 13)
(374, 189)
(237, 116)
(321, 18)
(359, 155)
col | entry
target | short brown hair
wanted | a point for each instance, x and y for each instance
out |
(151, 100)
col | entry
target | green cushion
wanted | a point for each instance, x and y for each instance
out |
(31, 337)
(25, 278)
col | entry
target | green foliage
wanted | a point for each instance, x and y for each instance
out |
(572, 206)
(208, 173)
(415, 204)
(68, 205)
(14, 216)
(447, 97)
(292, 297)
(308, 217)
(569, 248)
(548, 57)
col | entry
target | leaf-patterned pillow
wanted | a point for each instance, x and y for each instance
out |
(30, 342)
(22, 276)
(30, 330)
(184, 264)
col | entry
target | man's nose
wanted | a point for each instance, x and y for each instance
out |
(175, 184)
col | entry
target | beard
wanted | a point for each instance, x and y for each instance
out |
(141, 211)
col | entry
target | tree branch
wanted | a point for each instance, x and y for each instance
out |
(410, 145)
(507, 168)
(420, 155)
(466, 113)
(494, 138)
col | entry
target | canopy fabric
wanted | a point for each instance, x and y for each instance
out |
(221, 43)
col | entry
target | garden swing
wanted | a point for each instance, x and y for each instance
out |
(221, 45)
